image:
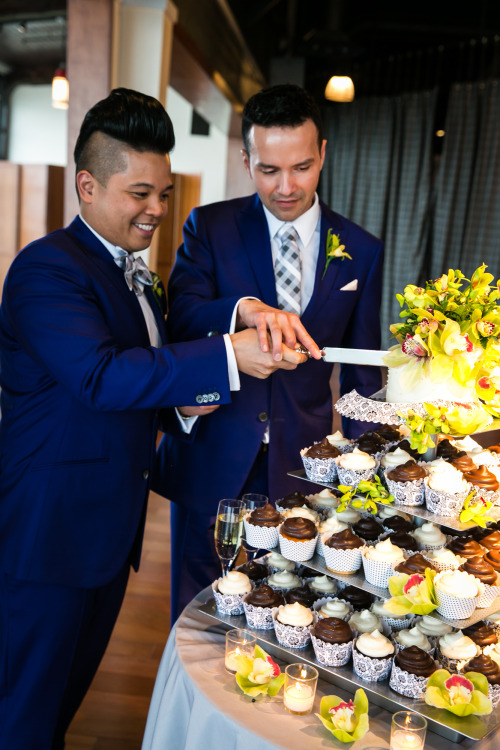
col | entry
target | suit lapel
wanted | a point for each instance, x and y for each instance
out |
(254, 233)
(159, 317)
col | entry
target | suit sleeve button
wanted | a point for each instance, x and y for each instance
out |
(263, 416)
(199, 399)
(216, 396)
(145, 474)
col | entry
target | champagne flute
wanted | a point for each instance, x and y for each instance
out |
(252, 500)
(228, 532)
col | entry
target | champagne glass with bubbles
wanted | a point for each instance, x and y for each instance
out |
(228, 532)
(251, 501)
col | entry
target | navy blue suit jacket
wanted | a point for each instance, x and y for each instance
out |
(226, 255)
(81, 387)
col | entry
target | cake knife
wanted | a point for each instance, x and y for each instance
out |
(350, 356)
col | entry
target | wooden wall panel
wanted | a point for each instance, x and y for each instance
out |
(41, 201)
(9, 226)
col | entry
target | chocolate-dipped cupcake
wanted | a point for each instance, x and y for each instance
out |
(415, 660)
(465, 547)
(446, 450)
(404, 541)
(302, 594)
(414, 564)
(482, 479)
(266, 515)
(261, 527)
(343, 551)
(480, 568)
(388, 432)
(491, 540)
(332, 641)
(256, 571)
(492, 557)
(323, 449)
(357, 598)
(368, 528)
(484, 665)
(406, 483)
(463, 462)
(293, 500)
(371, 442)
(398, 523)
(408, 472)
(297, 537)
(258, 605)
(481, 633)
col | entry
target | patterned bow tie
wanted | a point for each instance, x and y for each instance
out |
(136, 273)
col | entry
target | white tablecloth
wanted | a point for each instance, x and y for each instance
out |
(196, 704)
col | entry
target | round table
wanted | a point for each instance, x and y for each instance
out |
(196, 704)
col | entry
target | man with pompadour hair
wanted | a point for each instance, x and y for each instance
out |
(85, 371)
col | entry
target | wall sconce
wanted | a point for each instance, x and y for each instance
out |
(60, 89)
(340, 89)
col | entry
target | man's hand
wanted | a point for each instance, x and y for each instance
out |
(197, 411)
(285, 328)
(253, 361)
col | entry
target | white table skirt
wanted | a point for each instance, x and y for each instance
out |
(196, 704)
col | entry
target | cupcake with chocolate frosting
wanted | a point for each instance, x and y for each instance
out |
(389, 432)
(406, 483)
(463, 462)
(416, 563)
(342, 552)
(404, 540)
(486, 666)
(293, 500)
(397, 523)
(332, 641)
(483, 571)
(297, 537)
(357, 598)
(445, 449)
(492, 557)
(256, 571)
(302, 595)
(482, 634)
(331, 525)
(368, 529)
(465, 547)
(319, 461)
(372, 443)
(491, 540)
(410, 672)
(261, 527)
(484, 481)
(259, 604)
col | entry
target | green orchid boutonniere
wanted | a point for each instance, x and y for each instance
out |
(346, 721)
(334, 250)
(260, 675)
(159, 293)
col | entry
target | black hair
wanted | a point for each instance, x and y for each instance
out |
(285, 105)
(138, 121)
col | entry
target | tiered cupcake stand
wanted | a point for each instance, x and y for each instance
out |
(440, 721)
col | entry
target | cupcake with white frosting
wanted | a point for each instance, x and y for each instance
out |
(432, 627)
(323, 501)
(229, 592)
(333, 608)
(372, 656)
(457, 593)
(291, 625)
(339, 441)
(302, 513)
(323, 585)
(455, 647)
(412, 637)
(379, 562)
(445, 490)
(331, 525)
(429, 536)
(356, 467)
(391, 622)
(365, 621)
(284, 580)
(277, 562)
(388, 511)
(444, 559)
(349, 515)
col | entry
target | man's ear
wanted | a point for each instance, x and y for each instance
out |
(86, 185)
(246, 161)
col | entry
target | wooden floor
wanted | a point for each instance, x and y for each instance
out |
(113, 715)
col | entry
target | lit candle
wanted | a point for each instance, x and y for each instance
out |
(299, 698)
(230, 660)
(238, 643)
(401, 740)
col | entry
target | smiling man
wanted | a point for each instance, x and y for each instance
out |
(85, 369)
(245, 262)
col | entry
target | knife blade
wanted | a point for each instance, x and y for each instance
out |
(351, 356)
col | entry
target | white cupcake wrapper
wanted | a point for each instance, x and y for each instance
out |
(297, 551)
(319, 603)
(444, 566)
(332, 654)
(371, 670)
(488, 596)
(261, 537)
(494, 694)
(291, 636)
(401, 646)
(228, 604)
(260, 618)
(407, 684)
(342, 560)
(378, 572)
(352, 478)
(492, 497)
(444, 504)
(406, 493)
(425, 547)
(394, 625)
(450, 664)
(455, 607)
(319, 469)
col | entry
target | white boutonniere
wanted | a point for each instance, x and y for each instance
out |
(334, 249)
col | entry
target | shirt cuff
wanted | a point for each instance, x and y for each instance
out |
(232, 365)
(232, 326)
(186, 423)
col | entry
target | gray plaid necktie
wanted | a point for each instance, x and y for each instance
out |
(287, 270)
(136, 273)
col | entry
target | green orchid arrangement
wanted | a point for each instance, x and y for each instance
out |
(462, 695)
(413, 594)
(346, 721)
(334, 250)
(373, 490)
(475, 508)
(258, 676)
(159, 293)
(456, 421)
(451, 330)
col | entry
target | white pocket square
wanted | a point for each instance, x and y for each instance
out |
(350, 287)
